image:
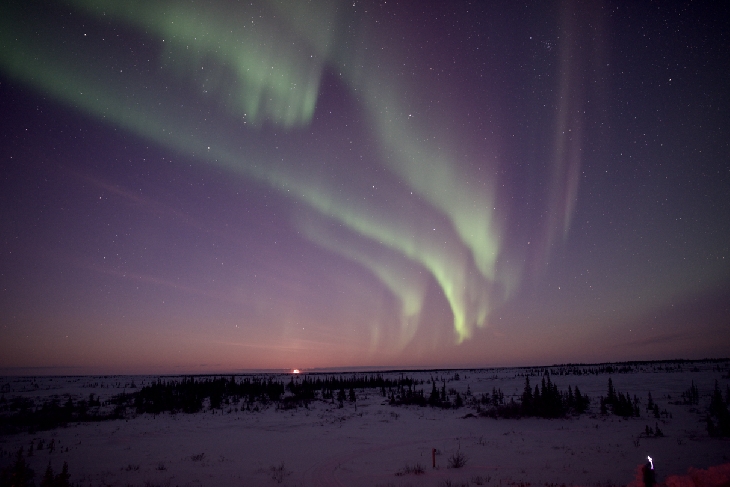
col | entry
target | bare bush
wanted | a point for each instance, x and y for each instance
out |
(279, 473)
(457, 460)
(416, 469)
(451, 483)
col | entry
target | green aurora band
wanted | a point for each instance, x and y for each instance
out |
(219, 77)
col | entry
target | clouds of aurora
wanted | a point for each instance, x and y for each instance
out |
(210, 82)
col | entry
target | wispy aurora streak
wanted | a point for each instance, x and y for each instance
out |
(400, 276)
(263, 65)
(258, 65)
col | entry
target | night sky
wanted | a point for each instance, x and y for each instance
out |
(220, 186)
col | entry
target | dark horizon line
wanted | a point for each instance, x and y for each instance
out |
(6, 371)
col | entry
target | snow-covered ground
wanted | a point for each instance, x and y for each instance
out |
(371, 443)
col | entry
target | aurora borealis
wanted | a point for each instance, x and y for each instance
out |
(217, 186)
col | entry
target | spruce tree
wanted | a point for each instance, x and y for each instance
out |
(19, 474)
(48, 478)
(63, 478)
(341, 396)
(719, 410)
(571, 398)
(527, 397)
(611, 398)
(458, 402)
(433, 399)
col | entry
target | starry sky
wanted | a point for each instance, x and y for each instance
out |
(214, 186)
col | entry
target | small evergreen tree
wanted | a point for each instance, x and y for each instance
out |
(527, 405)
(18, 474)
(48, 478)
(611, 392)
(433, 399)
(341, 397)
(718, 410)
(691, 395)
(63, 478)
(571, 398)
(458, 402)
(581, 402)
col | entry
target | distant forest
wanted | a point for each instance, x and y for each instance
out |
(235, 394)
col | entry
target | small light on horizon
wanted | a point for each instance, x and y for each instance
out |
(295, 371)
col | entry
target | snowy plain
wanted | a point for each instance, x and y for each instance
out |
(372, 443)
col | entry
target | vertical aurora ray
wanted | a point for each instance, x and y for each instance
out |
(580, 60)
(471, 283)
(466, 292)
(401, 277)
